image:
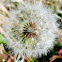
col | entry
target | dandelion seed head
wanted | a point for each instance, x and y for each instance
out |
(32, 29)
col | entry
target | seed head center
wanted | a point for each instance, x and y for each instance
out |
(29, 29)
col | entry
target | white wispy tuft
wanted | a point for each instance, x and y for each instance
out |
(46, 23)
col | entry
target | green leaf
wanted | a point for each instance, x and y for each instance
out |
(33, 60)
(53, 51)
(17, 3)
(2, 39)
(59, 44)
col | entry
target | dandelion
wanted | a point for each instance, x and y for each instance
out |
(32, 29)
